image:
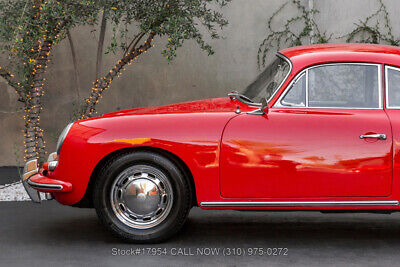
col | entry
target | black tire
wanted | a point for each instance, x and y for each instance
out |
(181, 203)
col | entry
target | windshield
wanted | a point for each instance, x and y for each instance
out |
(266, 84)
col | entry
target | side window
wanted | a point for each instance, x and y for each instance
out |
(344, 86)
(393, 87)
(296, 96)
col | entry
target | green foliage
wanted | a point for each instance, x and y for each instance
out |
(289, 37)
(176, 20)
(371, 30)
(26, 24)
(29, 29)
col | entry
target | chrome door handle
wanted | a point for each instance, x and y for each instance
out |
(379, 136)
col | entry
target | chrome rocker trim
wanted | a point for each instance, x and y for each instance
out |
(299, 203)
(55, 187)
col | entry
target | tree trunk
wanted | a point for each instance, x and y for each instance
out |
(74, 61)
(32, 103)
(10, 80)
(99, 61)
(34, 142)
(102, 84)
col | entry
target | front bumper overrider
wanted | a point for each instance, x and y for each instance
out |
(36, 180)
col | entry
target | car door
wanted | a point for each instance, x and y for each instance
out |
(326, 136)
(392, 92)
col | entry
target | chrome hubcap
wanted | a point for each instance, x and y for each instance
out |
(141, 196)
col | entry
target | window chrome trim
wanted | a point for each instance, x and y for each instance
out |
(282, 56)
(279, 105)
(299, 203)
(387, 86)
(295, 79)
(286, 77)
(306, 87)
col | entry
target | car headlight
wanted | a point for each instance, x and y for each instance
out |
(62, 136)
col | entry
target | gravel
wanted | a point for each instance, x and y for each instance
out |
(13, 192)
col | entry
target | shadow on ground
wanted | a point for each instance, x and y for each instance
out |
(9, 174)
(50, 233)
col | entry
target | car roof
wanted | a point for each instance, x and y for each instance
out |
(302, 56)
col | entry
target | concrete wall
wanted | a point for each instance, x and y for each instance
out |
(152, 81)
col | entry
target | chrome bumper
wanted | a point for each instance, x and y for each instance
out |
(31, 168)
(35, 180)
(53, 187)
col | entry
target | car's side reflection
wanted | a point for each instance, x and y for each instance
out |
(280, 158)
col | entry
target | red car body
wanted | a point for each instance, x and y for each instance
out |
(288, 158)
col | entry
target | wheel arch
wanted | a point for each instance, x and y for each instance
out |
(87, 202)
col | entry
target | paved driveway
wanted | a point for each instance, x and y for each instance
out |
(50, 234)
(8, 175)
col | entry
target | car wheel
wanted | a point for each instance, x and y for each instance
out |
(142, 197)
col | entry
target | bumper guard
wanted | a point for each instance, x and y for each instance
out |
(35, 181)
